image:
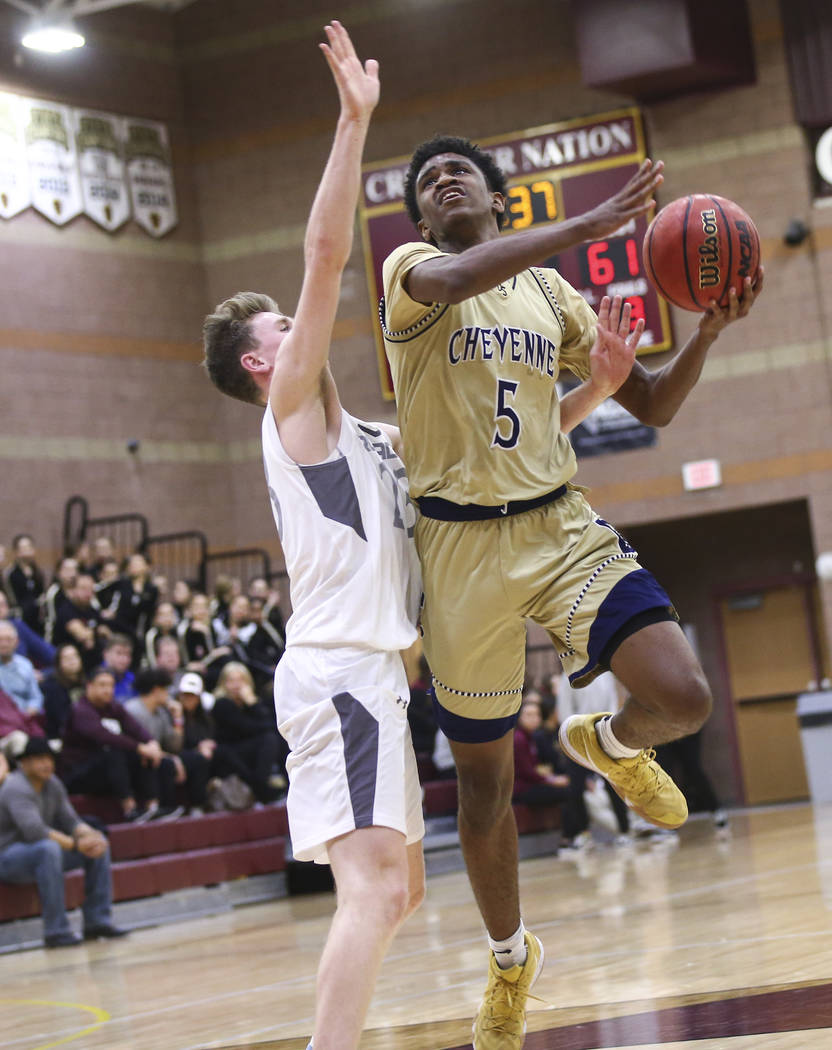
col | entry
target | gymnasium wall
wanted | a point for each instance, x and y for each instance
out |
(99, 333)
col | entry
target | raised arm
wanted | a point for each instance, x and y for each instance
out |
(655, 397)
(452, 278)
(298, 385)
(611, 361)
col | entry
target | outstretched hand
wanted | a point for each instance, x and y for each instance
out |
(717, 317)
(613, 353)
(357, 84)
(632, 200)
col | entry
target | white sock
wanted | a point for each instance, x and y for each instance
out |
(512, 951)
(607, 739)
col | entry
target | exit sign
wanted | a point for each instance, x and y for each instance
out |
(702, 474)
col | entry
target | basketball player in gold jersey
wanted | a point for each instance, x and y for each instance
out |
(476, 334)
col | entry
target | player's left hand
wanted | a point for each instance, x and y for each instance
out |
(717, 317)
(613, 353)
(358, 86)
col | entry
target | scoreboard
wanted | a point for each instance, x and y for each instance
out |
(553, 173)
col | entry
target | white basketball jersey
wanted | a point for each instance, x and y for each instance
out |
(346, 528)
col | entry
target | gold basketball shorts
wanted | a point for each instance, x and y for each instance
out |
(559, 565)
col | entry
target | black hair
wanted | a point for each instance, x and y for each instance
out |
(152, 678)
(494, 175)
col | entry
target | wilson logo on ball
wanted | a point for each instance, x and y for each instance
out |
(709, 251)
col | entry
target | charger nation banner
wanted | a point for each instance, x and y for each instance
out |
(554, 172)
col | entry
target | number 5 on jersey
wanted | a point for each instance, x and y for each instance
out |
(507, 430)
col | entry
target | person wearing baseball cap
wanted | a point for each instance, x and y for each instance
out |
(41, 837)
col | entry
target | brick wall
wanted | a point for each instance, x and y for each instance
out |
(99, 333)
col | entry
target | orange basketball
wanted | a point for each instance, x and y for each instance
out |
(698, 247)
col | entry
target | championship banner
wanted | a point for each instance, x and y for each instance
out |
(53, 168)
(99, 141)
(14, 171)
(150, 176)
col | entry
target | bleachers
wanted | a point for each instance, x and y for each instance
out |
(156, 858)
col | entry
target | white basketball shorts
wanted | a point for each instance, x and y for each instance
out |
(343, 713)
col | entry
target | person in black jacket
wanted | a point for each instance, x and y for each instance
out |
(62, 688)
(246, 727)
(24, 582)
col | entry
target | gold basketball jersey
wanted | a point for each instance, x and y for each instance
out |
(475, 382)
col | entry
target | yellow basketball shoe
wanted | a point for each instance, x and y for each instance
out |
(640, 781)
(501, 1021)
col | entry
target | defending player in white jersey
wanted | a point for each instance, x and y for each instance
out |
(340, 503)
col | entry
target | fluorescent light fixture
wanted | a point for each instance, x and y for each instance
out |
(52, 36)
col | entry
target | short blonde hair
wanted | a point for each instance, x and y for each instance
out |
(226, 336)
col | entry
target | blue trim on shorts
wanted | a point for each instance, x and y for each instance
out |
(633, 594)
(471, 730)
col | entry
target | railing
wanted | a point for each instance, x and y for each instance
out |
(128, 532)
(179, 556)
(246, 564)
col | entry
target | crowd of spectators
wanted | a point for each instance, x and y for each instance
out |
(150, 694)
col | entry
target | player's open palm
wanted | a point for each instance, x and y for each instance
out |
(613, 354)
(632, 200)
(357, 84)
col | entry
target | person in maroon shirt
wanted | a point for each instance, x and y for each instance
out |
(106, 752)
(534, 784)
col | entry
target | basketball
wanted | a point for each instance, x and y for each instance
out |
(698, 247)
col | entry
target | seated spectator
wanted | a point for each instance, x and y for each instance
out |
(134, 598)
(102, 551)
(260, 588)
(535, 785)
(160, 582)
(200, 734)
(15, 726)
(197, 642)
(29, 644)
(420, 713)
(224, 592)
(168, 659)
(17, 675)
(118, 658)
(264, 647)
(24, 583)
(61, 689)
(82, 553)
(181, 598)
(232, 641)
(107, 752)
(246, 727)
(196, 635)
(106, 585)
(66, 573)
(161, 715)
(165, 622)
(41, 837)
(79, 621)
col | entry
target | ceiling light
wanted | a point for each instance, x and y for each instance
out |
(52, 36)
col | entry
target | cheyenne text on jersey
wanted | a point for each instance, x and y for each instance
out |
(472, 343)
